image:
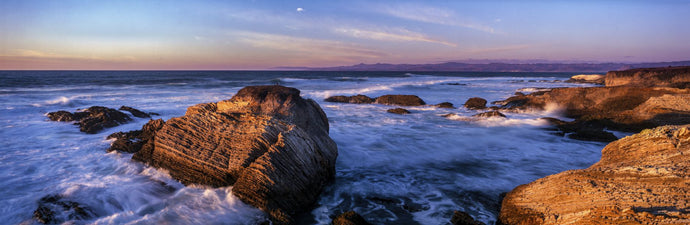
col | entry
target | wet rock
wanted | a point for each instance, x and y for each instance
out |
(490, 114)
(402, 100)
(475, 103)
(675, 77)
(584, 129)
(640, 179)
(134, 141)
(349, 218)
(587, 79)
(462, 218)
(456, 84)
(54, 209)
(446, 105)
(356, 99)
(267, 141)
(400, 111)
(135, 112)
(93, 119)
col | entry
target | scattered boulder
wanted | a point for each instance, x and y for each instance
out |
(587, 79)
(640, 179)
(675, 77)
(462, 218)
(402, 100)
(54, 209)
(135, 112)
(356, 99)
(400, 111)
(267, 141)
(490, 114)
(475, 103)
(446, 105)
(349, 218)
(93, 119)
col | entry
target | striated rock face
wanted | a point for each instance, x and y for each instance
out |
(267, 141)
(402, 100)
(475, 103)
(676, 77)
(640, 179)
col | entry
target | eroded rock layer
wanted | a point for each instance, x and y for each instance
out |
(640, 179)
(677, 77)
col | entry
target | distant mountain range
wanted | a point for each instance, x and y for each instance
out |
(493, 67)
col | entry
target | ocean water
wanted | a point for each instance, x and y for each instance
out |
(391, 169)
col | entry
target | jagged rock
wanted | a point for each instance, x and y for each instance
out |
(134, 141)
(54, 209)
(583, 129)
(587, 79)
(402, 100)
(640, 179)
(357, 99)
(462, 218)
(267, 141)
(489, 114)
(676, 77)
(93, 119)
(400, 111)
(349, 218)
(446, 105)
(135, 112)
(475, 103)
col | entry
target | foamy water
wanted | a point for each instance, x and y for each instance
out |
(392, 169)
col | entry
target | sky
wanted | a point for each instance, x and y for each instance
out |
(229, 35)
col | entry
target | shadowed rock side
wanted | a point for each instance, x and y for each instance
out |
(93, 119)
(349, 218)
(267, 141)
(676, 77)
(620, 108)
(640, 179)
(446, 105)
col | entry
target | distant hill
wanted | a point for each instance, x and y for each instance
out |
(494, 67)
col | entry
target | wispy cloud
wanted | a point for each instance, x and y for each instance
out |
(498, 49)
(434, 15)
(398, 35)
(309, 46)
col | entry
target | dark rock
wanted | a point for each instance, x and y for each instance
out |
(54, 209)
(519, 94)
(349, 218)
(402, 100)
(462, 218)
(584, 129)
(454, 84)
(593, 135)
(134, 141)
(446, 105)
(267, 141)
(93, 119)
(62, 116)
(357, 99)
(135, 112)
(490, 114)
(400, 111)
(587, 79)
(475, 103)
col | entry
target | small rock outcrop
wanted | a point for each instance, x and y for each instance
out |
(475, 103)
(588, 79)
(401, 100)
(446, 105)
(269, 143)
(134, 141)
(93, 119)
(135, 112)
(349, 218)
(462, 218)
(356, 99)
(54, 209)
(489, 114)
(400, 111)
(640, 179)
(675, 77)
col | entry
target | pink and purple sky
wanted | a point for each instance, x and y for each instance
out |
(218, 35)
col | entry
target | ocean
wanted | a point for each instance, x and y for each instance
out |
(391, 169)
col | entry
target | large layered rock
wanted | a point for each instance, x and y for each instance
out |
(267, 141)
(677, 77)
(640, 179)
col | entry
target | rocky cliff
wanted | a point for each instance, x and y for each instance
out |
(678, 77)
(267, 141)
(640, 179)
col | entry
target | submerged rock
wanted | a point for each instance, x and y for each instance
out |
(349, 218)
(93, 119)
(640, 179)
(356, 99)
(446, 105)
(462, 218)
(400, 111)
(489, 114)
(54, 209)
(267, 141)
(402, 100)
(475, 103)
